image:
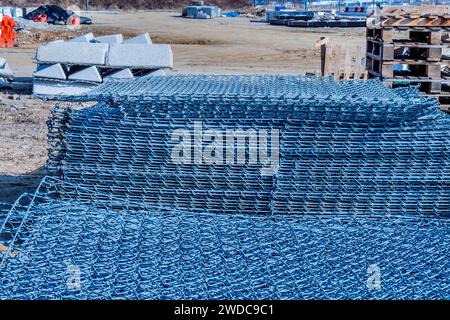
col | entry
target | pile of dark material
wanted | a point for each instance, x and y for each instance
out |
(53, 14)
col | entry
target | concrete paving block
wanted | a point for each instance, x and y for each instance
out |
(73, 53)
(114, 38)
(55, 71)
(140, 39)
(151, 56)
(87, 74)
(88, 37)
(121, 74)
(60, 88)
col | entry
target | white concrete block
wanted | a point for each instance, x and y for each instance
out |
(2, 62)
(87, 74)
(88, 37)
(18, 12)
(114, 38)
(5, 70)
(140, 39)
(60, 88)
(73, 53)
(55, 71)
(152, 56)
(7, 11)
(56, 41)
(159, 72)
(121, 74)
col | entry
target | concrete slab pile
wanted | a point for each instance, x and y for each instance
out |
(78, 65)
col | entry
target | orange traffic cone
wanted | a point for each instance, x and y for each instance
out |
(7, 33)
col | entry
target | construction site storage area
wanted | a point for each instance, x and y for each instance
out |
(168, 161)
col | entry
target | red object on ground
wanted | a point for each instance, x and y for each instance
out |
(362, 9)
(7, 33)
(346, 9)
(41, 18)
(74, 21)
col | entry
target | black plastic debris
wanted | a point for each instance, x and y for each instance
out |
(53, 14)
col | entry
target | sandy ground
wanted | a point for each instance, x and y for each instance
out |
(221, 46)
(225, 45)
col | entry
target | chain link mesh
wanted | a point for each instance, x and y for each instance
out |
(357, 209)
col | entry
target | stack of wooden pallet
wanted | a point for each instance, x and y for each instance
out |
(407, 45)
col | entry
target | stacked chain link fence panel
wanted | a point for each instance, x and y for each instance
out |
(343, 147)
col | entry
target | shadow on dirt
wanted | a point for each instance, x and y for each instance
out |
(12, 186)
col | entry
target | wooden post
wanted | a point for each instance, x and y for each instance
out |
(323, 52)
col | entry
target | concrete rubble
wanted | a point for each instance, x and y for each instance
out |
(79, 64)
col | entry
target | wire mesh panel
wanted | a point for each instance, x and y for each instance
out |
(70, 249)
(340, 147)
(333, 190)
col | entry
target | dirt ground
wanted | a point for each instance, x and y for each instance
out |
(220, 46)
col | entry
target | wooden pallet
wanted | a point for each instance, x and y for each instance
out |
(388, 69)
(395, 51)
(411, 17)
(391, 35)
(426, 85)
(415, 36)
(342, 62)
(443, 99)
(435, 10)
(445, 108)
(415, 22)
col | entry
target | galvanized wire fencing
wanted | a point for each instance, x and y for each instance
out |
(74, 250)
(334, 190)
(361, 149)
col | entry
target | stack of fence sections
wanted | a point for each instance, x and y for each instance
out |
(74, 67)
(336, 147)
